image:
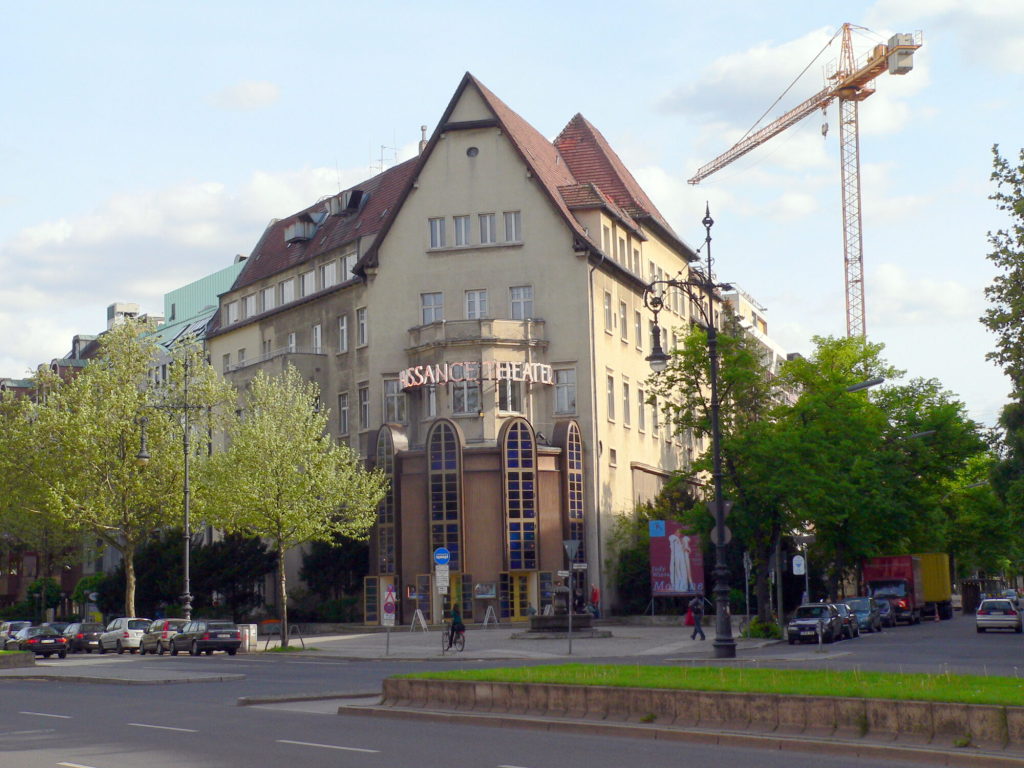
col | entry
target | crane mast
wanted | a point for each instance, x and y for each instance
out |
(850, 84)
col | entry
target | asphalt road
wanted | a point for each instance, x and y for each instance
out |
(80, 725)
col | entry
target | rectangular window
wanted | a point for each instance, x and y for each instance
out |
(606, 240)
(328, 274)
(641, 423)
(318, 339)
(267, 348)
(429, 402)
(267, 296)
(487, 231)
(622, 256)
(510, 396)
(292, 345)
(654, 416)
(626, 409)
(636, 261)
(513, 227)
(611, 398)
(232, 312)
(307, 283)
(394, 402)
(466, 397)
(287, 290)
(249, 306)
(607, 312)
(225, 362)
(431, 307)
(462, 230)
(343, 413)
(638, 329)
(343, 333)
(521, 298)
(565, 390)
(348, 263)
(476, 304)
(623, 325)
(437, 233)
(364, 407)
(241, 356)
(362, 331)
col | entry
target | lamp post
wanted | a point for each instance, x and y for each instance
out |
(724, 644)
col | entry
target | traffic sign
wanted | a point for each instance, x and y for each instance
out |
(571, 547)
(579, 566)
(442, 556)
(441, 576)
(726, 508)
(726, 536)
(388, 617)
(563, 574)
(799, 566)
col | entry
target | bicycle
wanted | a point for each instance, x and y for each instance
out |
(458, 642)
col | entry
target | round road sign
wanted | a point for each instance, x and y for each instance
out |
(442, 556)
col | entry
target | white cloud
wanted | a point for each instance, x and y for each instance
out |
(899, 298)
(246, 96)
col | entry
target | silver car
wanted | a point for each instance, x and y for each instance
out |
(998, 613)
(123, 634)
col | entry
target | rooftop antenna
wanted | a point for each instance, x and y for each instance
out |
(379, 166)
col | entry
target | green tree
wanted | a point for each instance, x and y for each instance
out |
(283, 478)
(231, 567)
(334, 569)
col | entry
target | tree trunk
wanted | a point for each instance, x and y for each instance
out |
(282, 590)
(128, 556)
(762, 588)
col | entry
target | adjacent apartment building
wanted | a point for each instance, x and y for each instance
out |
(474, 318)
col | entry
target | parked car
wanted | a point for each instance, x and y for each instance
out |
(59, 626)
(207, 636)
(10, 628)
(1012, 596)
(851, 627)
(866, 609)
(157, 639)
(123, 634)
(885, 612)
(83, 636)
(998, 613)
(43, 641)
(811, 619)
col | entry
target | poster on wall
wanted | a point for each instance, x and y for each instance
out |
(677, 563)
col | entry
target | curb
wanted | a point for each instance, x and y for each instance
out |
(123, 681)
(250, 701)
(797, 743)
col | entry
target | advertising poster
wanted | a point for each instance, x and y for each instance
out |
(677, 563)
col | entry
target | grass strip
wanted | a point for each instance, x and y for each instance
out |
(961, 689)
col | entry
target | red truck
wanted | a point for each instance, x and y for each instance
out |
(914, 585)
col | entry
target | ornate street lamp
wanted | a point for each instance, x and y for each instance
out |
(724, 644)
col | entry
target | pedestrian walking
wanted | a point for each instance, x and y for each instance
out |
(697, 609)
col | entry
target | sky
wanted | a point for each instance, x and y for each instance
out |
(143, 146)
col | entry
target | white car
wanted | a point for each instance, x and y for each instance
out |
(123, 634)
(998, 613)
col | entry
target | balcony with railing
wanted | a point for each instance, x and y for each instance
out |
(276, 360)
(485, 331)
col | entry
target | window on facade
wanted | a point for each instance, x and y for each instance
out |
(287, 290)
(466, 397)
(386, 554)
(641, 423)
(343, 413)
(343, 333)
(432, 307)
(574, 489)
(654, 416)
(636, 260)
(241, 356)
(520, 462)
(362, 331)
(521, 300)
(487, 231)
(437, 239)
(613, 457)
(232, 312)
(429, 402)
(394, 402)
(249, 305)
(622, 255)
(328, 274)
(606, 239)
(443, 469)
(565, 390)
(292, 342)
(318, 339)
(611, 398)
(348, 263)
(307, 283)
(462, 230)
(626, 408)
(476, 304)
(364, 407)
(513, 227)
(510, 396)
(267, 348)
(607, 312)
(623, 325)
(267, 296)
(225, 362)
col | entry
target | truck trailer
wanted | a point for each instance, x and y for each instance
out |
(915, 585)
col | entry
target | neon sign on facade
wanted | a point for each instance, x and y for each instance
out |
(488, 370)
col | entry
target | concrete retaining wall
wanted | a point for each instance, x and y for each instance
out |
(19, 659)
(909, 722)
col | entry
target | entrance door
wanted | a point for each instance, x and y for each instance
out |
(520, 597)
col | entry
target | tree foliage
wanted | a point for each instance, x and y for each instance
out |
(283, 478)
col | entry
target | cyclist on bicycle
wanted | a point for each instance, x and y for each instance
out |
(456, 628)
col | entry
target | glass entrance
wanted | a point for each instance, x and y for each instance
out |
(520, 596)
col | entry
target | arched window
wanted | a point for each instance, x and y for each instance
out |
(574, 488)
(443, 467)
(519, 457)
(386, 554)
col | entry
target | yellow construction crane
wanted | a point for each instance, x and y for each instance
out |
(850, 84)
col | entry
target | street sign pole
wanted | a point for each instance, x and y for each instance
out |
(571, 547)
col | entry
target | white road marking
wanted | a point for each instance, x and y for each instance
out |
(46, 714)
(74, 765)
(25, 733)
(326, 746)
(510, 766)
(164, 727)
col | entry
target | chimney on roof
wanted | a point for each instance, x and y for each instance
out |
(423, 138)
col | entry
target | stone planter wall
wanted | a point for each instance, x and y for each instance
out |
(20, 659)
(910, 722)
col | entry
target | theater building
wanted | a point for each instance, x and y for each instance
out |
(474, 319)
